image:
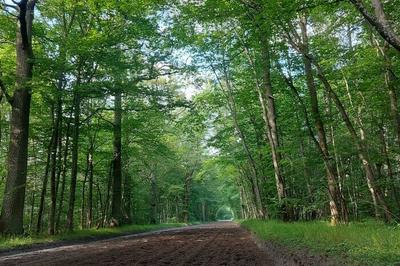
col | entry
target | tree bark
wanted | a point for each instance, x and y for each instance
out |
(391, 81)
(116, 205)
(83, 195)
(272, 126)
(379, 21)
(74, 167)
(90, 189)
(12, 213)
(153, 199)
(267, 103)
(44, 188)
(63, 177)
(337, 204)
(128, 199)
(53, 163)
(107, 199)
(186, 196)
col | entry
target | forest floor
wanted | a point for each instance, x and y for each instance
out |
(223, 243)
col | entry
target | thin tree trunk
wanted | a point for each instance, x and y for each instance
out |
(392, 180)
(154, 199)
(116, 205)
(273, 135)
(84, 191)
(74, 167)
(53, 163)
(107, 199)
(391, 81)
(44, 189)
(186, 196)
(90, 192)
(100, 206)
(307, 175)
(63, 174)
(33, 199)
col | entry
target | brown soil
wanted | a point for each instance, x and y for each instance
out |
(212, 244)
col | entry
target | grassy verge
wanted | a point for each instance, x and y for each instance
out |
(368, 243)
(7, 243)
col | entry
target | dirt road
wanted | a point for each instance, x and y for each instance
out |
(212, 244)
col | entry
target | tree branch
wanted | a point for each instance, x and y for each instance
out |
(379, 22)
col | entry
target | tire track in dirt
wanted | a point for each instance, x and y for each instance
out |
(199, 246)
(179, 246)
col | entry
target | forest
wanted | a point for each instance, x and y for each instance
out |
(179, 111)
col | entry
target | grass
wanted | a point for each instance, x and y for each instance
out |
(86, 234)
(369, 243)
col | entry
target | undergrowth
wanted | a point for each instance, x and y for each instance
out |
(368, 243)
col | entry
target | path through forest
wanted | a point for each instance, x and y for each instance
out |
(222, 243)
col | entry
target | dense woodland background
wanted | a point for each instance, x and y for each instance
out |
(176, 111)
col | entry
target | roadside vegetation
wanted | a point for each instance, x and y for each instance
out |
(11, 242)
(361, 243)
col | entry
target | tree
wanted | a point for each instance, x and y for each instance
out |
(379, 21)
(14, 195)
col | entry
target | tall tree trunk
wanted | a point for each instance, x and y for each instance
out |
(90, 192)
(255, 194)
(63, 176)
(261, 209)
(100, 206)
(107, 199)
(272, 129)
(310, 215)
(154, 199)
(12, 212)
(267, 103)
(84, 181)
(32, 214)
(44, 188)
(116, 205)
(391, 80)
(74, 167)
(392, 180)
(337, 204)
(186, 195)
(203, 211)
(53, 163)
(128, 198)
